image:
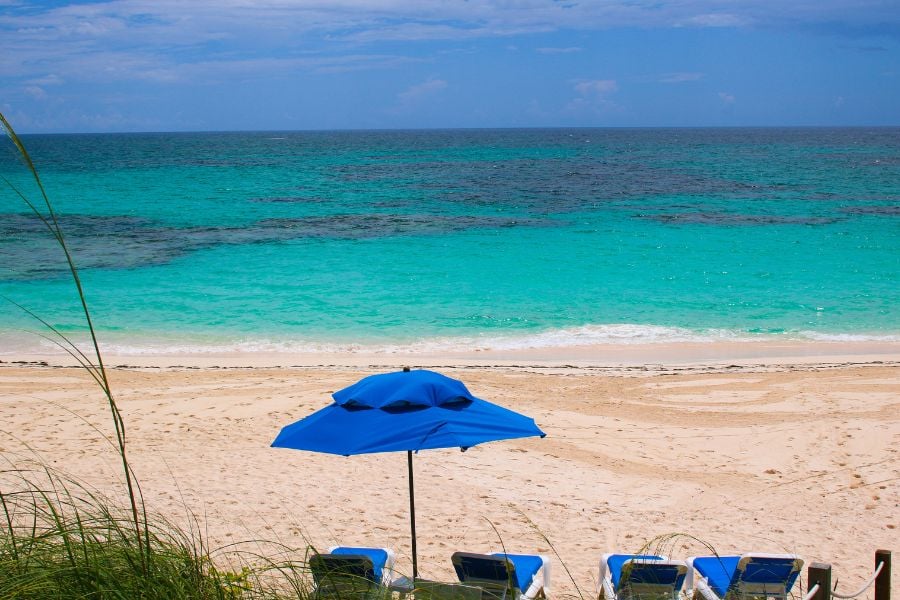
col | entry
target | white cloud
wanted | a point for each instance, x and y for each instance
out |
(716, 20)
(139, 22)
(35, 92)
(597, 87)
(593, 96)
(568, 50)
(419, 91)
(166, 42)
(49, 79)
(160, 39)
(680, 77)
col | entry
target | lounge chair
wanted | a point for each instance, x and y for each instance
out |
(504, 576)
(347, 572)
(436, 590)
(640, 577)
(743, 577)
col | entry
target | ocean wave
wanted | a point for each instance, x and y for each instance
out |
(575, 337)
(587, 335)
(816, 336)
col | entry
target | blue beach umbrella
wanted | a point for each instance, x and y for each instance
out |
(404, 411)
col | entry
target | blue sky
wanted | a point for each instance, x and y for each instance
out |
(189, 65)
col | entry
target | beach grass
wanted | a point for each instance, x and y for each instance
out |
(61, 539)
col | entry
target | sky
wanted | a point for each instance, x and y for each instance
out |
(224, 65)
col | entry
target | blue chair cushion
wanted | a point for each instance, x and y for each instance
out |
(615, 563)
(527, 566)
(778, 571)
(718, 570)
(378, 557)
(721, 572)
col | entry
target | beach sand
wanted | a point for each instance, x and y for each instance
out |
(797, 456)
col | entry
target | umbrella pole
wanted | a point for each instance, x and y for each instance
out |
(412, 515)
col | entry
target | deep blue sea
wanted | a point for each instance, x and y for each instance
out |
(456, 239)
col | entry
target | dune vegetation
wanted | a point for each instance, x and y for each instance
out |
(61, 539)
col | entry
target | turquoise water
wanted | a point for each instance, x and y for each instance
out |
(459, 239)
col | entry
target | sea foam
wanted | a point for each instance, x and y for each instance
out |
(576, 337)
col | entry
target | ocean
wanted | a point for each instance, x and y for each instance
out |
(455, 239)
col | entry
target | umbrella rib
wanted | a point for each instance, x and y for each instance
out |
(429, 434)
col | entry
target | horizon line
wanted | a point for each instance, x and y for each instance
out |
(438, 129)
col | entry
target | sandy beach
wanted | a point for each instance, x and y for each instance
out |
(750, 454)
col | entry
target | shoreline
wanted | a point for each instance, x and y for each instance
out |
(610, 358)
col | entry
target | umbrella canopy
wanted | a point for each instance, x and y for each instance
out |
(411, 411)
(404, 411)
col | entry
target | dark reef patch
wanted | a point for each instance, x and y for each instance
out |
(885, 211)
(28, 251)
(732, 220)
